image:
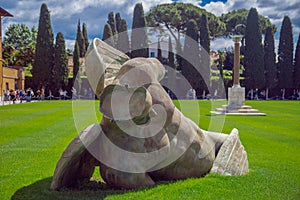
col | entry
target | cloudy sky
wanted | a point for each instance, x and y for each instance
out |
(65, 14)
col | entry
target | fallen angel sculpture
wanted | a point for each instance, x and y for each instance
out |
(142, 138)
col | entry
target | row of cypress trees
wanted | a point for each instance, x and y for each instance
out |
(115, 33)
(50, 67)
(262, 69)
(194, 46)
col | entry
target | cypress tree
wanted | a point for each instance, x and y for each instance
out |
(43, 62)
(254, 54)
(111, 21)
(204, 55)
(297, 65)
(107, 35)
(118, 22)
(80, 41)
(60, 69)
(270, 60)
(159, 53)
(285, 55)
(204, 34)
(76, 66)
(191, 56)
(123, 44)
(85, 36)
(178, 55)
(139, 35)
(171, 54)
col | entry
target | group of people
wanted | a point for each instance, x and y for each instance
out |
(28, 95)
(264, 95)
(87, 94)
(18, 95)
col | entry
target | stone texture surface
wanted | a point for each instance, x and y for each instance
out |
(236, 97)
(189, 151)
(232, 158)
(76, 163)
(103, 64)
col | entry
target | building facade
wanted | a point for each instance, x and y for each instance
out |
(13, 78)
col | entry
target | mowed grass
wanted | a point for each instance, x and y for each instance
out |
(34, 135)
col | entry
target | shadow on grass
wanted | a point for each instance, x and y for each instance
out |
(90, 190)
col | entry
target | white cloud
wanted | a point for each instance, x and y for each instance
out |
(221, 43)
(217, 8)
(147, 4)
(70, 44)
(275, 10)
(64, 15)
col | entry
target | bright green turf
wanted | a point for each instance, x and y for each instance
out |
(33, 137)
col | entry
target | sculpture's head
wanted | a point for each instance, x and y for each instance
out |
(118, 102)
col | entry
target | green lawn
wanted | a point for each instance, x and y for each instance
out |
(34, 135)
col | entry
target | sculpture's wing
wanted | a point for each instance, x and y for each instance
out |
(103, 63)
(76, 163)
(232, 158)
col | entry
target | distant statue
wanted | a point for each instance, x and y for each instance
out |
(142, 138)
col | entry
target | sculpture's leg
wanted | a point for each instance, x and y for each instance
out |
(76, 163)
(125, 180)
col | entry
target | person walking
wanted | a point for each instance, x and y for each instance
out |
(28, 95)
(21, 96)
(12, 95)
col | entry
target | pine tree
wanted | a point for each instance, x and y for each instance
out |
(123, 44)
(80, 40)
(285, 55)
(254, 54)
(297, 65)
(108, 36)
(85, 36)
(159, 53)
(43, 62)
(171, 54)
(139, 35)
(191, 61)
(204, 34)
(76, 66)
(270, 60)
(60, 69)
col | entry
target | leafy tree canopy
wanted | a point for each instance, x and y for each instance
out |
(20, 35)
(19, 45)
(175, 17)
(234, 18)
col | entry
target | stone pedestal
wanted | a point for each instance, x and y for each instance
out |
(236, 97)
